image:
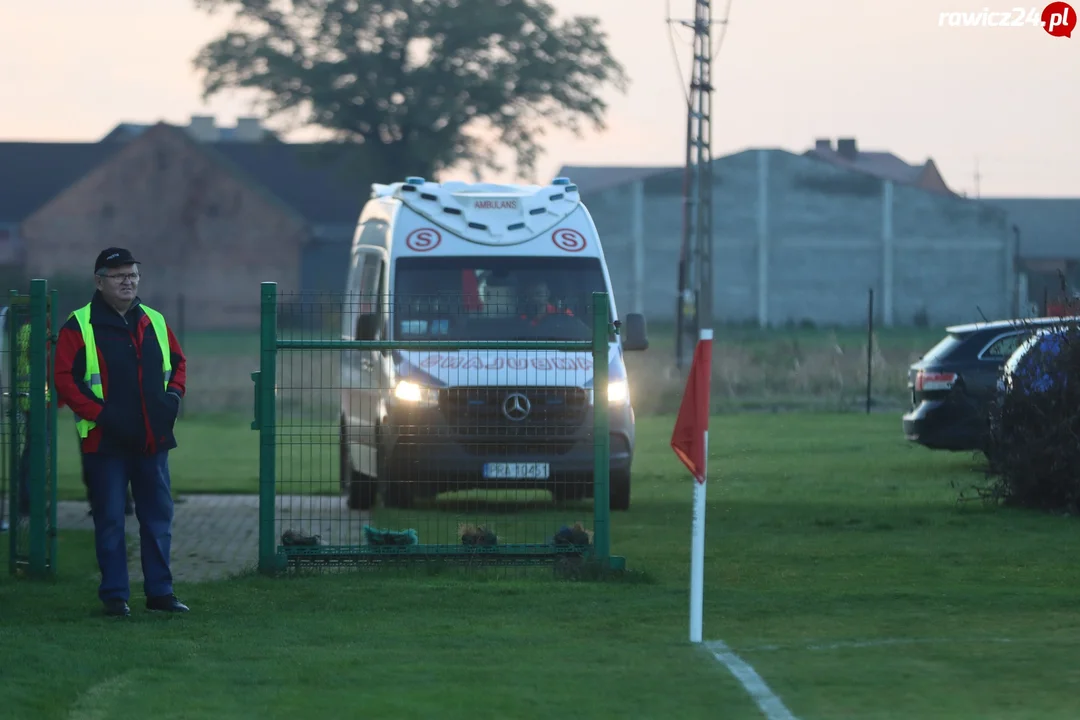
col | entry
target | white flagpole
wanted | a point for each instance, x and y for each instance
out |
(697, 543)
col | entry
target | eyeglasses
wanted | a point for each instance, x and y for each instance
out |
(121, 277)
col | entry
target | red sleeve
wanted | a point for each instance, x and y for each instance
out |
(70, 366)
(178, 381)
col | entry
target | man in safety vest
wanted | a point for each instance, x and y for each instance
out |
(122, 372)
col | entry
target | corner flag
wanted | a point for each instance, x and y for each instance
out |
(690, 441)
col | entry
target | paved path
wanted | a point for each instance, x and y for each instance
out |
(217, 536)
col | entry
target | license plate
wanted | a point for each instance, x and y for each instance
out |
(531, 471)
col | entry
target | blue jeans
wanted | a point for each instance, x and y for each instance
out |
(129, 507)
(108, 478)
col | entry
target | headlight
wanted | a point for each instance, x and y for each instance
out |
(410, 392)
(618, 392)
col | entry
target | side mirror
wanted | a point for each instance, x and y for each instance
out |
(634, 336)
(367, 326)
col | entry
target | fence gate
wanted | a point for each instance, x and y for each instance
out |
(366, 459)
(28, 477)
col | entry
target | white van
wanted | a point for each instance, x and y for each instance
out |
(478, 262)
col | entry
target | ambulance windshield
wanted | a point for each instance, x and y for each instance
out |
(495, 298)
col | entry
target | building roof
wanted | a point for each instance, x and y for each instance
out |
(594, 178)
(32, 174)
(884, 165)
(323, 183)
(198, 127)
(1049, 227)
(879, 163)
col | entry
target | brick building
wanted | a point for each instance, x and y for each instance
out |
(210, 215)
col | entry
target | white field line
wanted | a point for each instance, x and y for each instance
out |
(765, 698)
(884, 642)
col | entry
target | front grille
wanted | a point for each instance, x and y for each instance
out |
(476, 416)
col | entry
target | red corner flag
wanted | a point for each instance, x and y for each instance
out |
(692, 425)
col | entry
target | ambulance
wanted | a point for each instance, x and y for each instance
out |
(485, 263)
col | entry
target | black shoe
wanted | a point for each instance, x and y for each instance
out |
(166, 603)
(117, 608)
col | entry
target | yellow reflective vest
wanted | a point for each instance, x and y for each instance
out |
(92, 378)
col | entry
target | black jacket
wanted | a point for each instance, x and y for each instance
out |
(138, 414)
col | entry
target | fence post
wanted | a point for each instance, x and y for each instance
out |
(12, 439)
(5, 317)
(869, 346)
(53, 432)
(601, 433)
(267, 426)
(37, 428)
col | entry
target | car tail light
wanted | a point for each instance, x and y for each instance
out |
(934, 381)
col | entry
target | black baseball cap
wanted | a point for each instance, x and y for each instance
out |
(114, 257)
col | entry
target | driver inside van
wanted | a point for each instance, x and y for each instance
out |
(538, 303)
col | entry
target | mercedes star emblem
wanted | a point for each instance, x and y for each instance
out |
(516, 407)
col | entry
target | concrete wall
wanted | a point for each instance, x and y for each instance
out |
(799, 239)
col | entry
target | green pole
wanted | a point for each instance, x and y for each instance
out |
(37, 429)
(54, 466)
(601, 433)
(267, 426)
(14, 319)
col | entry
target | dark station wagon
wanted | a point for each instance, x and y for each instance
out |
(953, 384)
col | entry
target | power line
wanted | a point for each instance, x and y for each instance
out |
(694, 299)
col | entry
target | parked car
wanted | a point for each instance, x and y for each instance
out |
(1026, 369)
(953, 384)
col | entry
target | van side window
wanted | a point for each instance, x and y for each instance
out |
(370, 283)
(352, 294)
(372, 233)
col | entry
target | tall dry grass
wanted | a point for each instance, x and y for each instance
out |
(826, 370)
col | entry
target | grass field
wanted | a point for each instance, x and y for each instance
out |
(839, 565)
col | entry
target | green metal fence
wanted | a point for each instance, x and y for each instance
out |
(29, 464)
(364, 462)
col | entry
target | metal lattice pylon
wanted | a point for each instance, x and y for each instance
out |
(695, 297)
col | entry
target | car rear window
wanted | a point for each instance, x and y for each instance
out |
(944, 347)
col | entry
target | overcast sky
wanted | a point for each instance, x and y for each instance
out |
(789, 71)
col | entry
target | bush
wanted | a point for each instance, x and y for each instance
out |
(1034, 425)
